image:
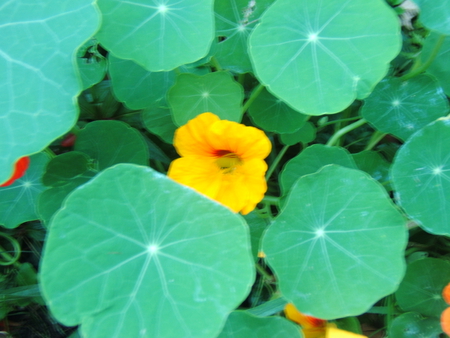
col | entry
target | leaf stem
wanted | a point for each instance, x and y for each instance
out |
(215, 64)
(276, 161)
(252, 97)
(377, 136)
(422, 67)
(7, 258)
(271, 200)
(344, 131)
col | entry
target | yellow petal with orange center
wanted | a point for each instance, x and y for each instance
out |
(312, 327)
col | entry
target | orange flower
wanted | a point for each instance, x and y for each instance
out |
(19, 170)
(316, 328)
(445, 315)
(223, 160)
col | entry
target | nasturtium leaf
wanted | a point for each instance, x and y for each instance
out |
(159, 36)
(39, 81)
(272, 114)
(137, 87)
(131, 267)
(318, 57)
(257, 225)
(112, 142)
(50, 200)
(440, 67)
(312, 159)
(241, 324)
(91, 64)
(64, 167)
(338, 245)
(305, 134)
(421, 177)
(235, 20)
(403, 107)
(435, 15)
(374, 164)
(217, 93)
(158, 120)
(18, 201)
(413, 325)
(421, 289)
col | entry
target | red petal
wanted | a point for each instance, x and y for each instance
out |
(19, 170)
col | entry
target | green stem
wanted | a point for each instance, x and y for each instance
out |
(252, 97)
(335, 138)
(75, 130)
(420, 69)
(215, 64)
(49, 152)
(7, 258)
(276, 161)
(338, 121)
(241, 78)
(271, 200)
(377, 136)
(263, 272)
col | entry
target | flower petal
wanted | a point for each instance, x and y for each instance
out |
(333, 332)
(20, 168)
(445, 321)
(446, 293)
(192, 140)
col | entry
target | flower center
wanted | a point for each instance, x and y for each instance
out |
(227, 161)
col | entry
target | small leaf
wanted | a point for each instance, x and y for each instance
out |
(91, 63)
(338, 245)
(305, 134)
(112, 142)
(63, 167)
(158, 120)
(435, 15)
(421, 289)
(413, 325)
(18, 201)
(131, 267)
(374, 164)
(216, 92)
(403, 107)
(421, 177)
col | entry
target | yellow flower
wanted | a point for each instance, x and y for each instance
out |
(223, 160)
(316, 328)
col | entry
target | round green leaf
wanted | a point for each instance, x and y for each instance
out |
(326, 54)
(241, 324)
(421, 289)
(272, 114)
(137, 87)
(338, 245)
(112, 142)
(235, 20)
(374, 164)
(435, 15)
(39, 81)
(158, 120)
(312, 159)
(159, 36)
(421, 177)
(305, 134)
(91, 63)
(403, 107)
(64, 167)
(413, 325)
(440, 67)
(131, 267)
(217, 93)
(18, 201)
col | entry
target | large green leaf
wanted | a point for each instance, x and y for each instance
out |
(158, 35)
(440, 67)
(413, 325)
(326, 53)
(272, 114)
(403, 107)
(435, 15)
(421, 177)
(215, 92)
(421, 289)
(39, 80)
(241, 324)
(338, 245)
(18, 201)
(137, 87)
(112, 142)
(235, 20)
(143, 256)
(312, 159)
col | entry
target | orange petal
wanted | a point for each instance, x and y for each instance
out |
(334, 332)
(20, 168)
(307, 322)
(445, 321)
(191, 139)
(446, 293)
